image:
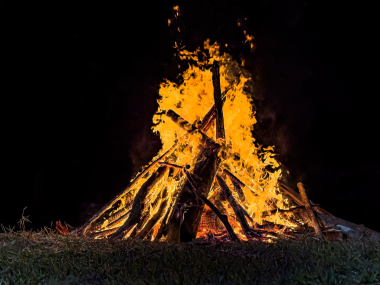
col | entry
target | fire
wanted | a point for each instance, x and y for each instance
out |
(254, 165)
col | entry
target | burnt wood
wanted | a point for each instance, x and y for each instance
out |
(138, 203)
(238, 185)
(81, 230)
(154, 219)
(211, 115)
(183, 226)
(240, 213)
(220, 134)
(221, 216)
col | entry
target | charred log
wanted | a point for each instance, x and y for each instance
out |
(222, 217)
(240, 213)
(191, 129)
(211, 115)
(183, 226)
(238, 185)
(220, 134)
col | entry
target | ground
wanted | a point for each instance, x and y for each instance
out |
(49, 258)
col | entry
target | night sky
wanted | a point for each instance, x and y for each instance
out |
(79, 85)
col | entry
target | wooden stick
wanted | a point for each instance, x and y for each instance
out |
(293, 194)
(220, 134)
(83, 228)
(237, 184)
(240, 213)
(153, 220)
(138, 203)
(171, 165)
(233, 177)
(222, 217)
(191, 129)
(310, 211)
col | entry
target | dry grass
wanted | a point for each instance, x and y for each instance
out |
(49, 258)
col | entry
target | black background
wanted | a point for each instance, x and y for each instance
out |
(79, 86)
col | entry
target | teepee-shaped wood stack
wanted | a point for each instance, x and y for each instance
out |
(149, 209)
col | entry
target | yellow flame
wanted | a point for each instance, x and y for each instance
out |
(253, 164)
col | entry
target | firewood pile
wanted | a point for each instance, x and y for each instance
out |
(213, 183)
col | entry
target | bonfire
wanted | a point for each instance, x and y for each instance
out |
(211, 181)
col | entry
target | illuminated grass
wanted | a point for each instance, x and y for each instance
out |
(48, 258)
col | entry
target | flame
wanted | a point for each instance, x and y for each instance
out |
(250, 162)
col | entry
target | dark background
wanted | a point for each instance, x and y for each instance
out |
(79, 86)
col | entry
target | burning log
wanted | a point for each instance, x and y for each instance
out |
(222, 217)
(138, 203)
(83, 228)
(237, 184)
(210, 116)
(220, 134)
(310, 211)
(203, 173)
(191, 129)
(153, 220)
(238, 210)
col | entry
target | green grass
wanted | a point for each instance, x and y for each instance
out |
(49, 258)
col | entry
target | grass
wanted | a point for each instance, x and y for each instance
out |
(48, 258)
